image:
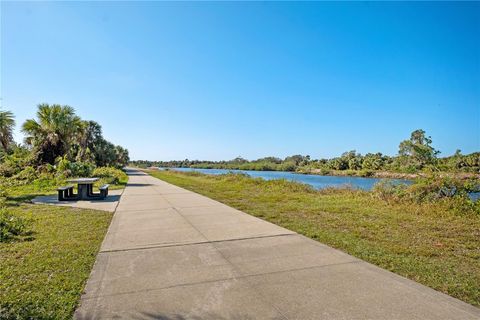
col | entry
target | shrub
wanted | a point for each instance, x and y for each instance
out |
(66, 168)
(350, 172)
(388, 190)
(432, 189)
(287, 166)
(3, 198)
(13, 163)
(110, 175)
(6, 170)
(81, 169)
(46, 182)
(366, 173)
(12, 227)
(63, 167)
(325, 171)
(46, 169)
(435, 187)
(29, 174)
(6, 183)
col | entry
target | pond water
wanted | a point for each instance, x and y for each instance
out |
(317, 181)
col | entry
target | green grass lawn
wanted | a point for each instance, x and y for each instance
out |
(43, 278)
(429, 243)
(43, 275)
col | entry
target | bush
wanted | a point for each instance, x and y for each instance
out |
(15, 162)
(366, 173)
(81, 169)
(110, 175)
(29, 174)
(66, 168)
(432, 189)
(46, 169)
(7, 170)
(3, 198)
(12, 227)
(350, 172)
(6, 183)
(287, 166)
(47, 182)
(388, 190)
(325, 171)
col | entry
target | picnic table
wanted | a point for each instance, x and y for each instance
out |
(85, 190)
(85, 187)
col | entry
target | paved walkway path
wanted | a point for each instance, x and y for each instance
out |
(173, 254)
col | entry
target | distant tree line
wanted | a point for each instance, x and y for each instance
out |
(415, 154)
(56, 137)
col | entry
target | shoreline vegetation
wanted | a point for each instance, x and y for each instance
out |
(391, 175)
(347, 173)
(416, 159)
(416, 231)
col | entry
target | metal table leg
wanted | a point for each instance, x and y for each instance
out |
(83, 191)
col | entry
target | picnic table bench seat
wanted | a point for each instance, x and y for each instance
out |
(104, 190)
(65, 192)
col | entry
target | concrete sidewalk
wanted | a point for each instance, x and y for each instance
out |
(173, 254)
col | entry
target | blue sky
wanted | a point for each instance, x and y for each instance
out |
(218, 80)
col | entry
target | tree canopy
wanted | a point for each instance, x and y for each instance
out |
(418, 149)
(57, 136)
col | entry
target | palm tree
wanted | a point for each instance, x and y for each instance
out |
(122, 156)
(7, 122)
(89, 136)
(52, 134)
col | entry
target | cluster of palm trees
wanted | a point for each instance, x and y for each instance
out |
(7, 123)
(58, 132)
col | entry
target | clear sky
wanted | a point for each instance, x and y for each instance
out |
(219, 80)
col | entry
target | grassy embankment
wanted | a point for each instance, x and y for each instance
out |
(43, 273)
(432, 243)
